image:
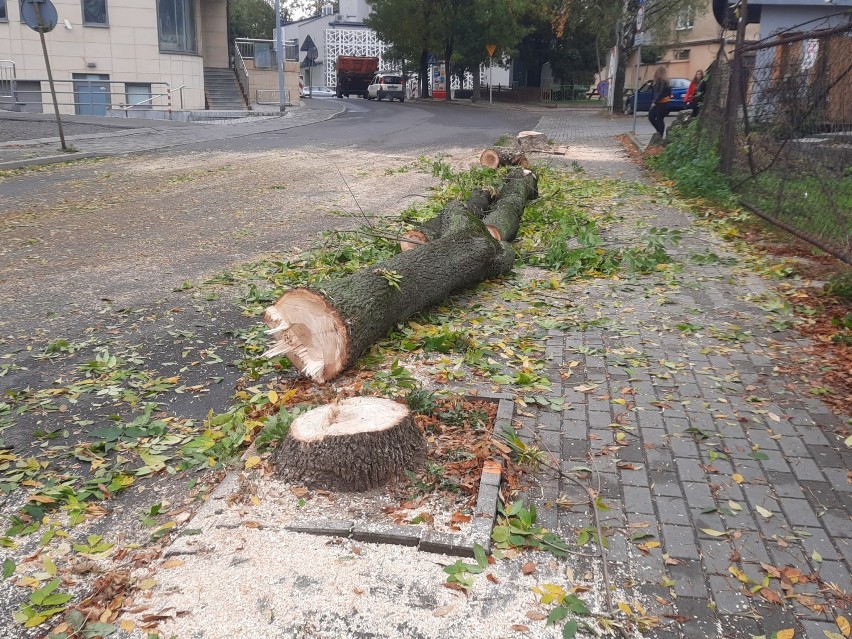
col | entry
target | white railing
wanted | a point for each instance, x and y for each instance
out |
(111, 94)
(270, 96)
(262, 52)
(148, 102)
(7, 81)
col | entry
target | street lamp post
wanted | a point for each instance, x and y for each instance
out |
(279, 56)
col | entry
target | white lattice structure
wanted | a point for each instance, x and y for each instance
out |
(359, 42)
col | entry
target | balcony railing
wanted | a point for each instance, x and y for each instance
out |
(262, 52)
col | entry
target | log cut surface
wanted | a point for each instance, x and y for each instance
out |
(355, 445)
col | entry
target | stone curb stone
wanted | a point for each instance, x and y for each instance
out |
(50, 159)
(326, 527)
(453, 544)
(387, 534)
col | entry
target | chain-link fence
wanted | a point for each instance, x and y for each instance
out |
(790, 139)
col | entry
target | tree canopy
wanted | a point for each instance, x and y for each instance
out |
(252, 19)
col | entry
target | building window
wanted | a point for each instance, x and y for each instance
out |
(176, 26)
(681, 54)
(685, 19)
(3, 16)
(95, 13)
(138, 95)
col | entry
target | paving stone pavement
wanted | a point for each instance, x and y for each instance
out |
(140, 136)
(695, 436)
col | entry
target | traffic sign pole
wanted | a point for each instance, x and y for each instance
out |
(279, 57)
(40, 23)
(490, 48)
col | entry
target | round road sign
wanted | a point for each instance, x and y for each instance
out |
(49, 17)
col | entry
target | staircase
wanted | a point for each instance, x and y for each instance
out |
(222, 90)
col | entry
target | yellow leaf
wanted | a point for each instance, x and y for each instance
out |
(251, 462)
(255, 500)
(625, 608)
(738, 478)
(273, 397)
(787, 633)
(49, 566)
(766, 514)
(713, 533)
(127, 625)
(172, 563)
(843, 625)
(739, 574)
(147, 584)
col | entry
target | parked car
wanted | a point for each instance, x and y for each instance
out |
(679, 87)
(318, 92)
(386, 85)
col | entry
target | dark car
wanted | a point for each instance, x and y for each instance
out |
(679, 88)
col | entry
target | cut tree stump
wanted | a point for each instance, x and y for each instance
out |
(532, 141)
(497, 157)
(324, 330)
(357, 444)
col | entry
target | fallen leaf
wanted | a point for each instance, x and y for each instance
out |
(738, 478)
(251, 462)
(843, 626)
(519, 628)
(147, 584)
(252, 524)
(172, 563)
(770, 595)
(535, 615)
(492, 578)
(442, 611)
(766, 514)
(787, 633)
(713, 533)
(816, 556)
(357, 590)
(528, 568)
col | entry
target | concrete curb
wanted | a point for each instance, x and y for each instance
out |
(49, 159)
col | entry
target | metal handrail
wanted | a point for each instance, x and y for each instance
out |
(7, 79)
(242, 71)
(245, 48)
(270, 96)
(121, 89)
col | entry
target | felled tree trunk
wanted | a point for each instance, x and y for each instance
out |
(324, 330)
(477, 204)
(354, 445)
(504, 220)
(497, 157)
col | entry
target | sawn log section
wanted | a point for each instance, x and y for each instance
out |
(324, 330)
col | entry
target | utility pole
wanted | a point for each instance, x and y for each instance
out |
(729, 140)
(36, 5)
(279, 56)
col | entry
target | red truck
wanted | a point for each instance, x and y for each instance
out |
(354, 74)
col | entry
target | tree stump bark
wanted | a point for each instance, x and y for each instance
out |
(355, 445)
(497, 157)
(478, 204)
(324, 330)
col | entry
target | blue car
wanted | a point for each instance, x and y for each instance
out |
(679, 88)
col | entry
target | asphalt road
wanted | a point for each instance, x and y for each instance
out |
(103, 258)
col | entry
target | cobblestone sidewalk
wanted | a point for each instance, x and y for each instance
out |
(726, 492)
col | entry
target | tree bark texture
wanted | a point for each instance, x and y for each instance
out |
(504, 220)
(324, 330)
(358, 444)
(499, 156)
(477, 204)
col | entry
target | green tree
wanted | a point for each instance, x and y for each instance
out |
(251, 19)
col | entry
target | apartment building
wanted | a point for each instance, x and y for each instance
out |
(108, 54)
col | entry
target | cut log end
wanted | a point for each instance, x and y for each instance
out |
(417, 237)
(494, 232)
(310, 332)
(355, 445)
(495, 158)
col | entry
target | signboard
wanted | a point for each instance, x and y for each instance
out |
(49, 17)
(491, 48)
(639, 39)
(310, 49)
(640, 16)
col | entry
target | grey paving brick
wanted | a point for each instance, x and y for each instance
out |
(638, 499)
(727, 592)
(551, 421)
(683, 446)
(812, 435)
(700, 619)
(672, 510)
(665, 483)
(698, 496)
(690, 469)
(750, 546)
(799, 512)
(679, 541)
(838, 573)
(806, 469)
(827, 457)
(575, 429)
(837, 523)
(785, 485)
